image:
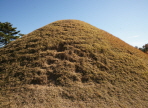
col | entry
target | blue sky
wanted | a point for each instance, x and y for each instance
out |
(125, 19)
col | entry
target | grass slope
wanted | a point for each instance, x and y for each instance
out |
(70, 63)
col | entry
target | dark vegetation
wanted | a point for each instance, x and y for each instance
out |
(8, 33)
(70, 63)
(144, 48)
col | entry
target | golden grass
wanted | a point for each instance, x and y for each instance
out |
(70, 63)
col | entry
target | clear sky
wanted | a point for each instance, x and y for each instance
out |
(125, 19)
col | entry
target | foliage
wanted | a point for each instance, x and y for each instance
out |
(7, 33)
(144, 48)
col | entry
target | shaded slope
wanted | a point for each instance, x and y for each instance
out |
(70, 62)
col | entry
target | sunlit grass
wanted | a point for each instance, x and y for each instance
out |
(72, 62)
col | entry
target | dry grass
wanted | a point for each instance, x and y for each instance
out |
(70, 63)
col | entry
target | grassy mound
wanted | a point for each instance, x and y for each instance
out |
(70, 63)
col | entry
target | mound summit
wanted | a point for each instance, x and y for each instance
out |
(70, 63)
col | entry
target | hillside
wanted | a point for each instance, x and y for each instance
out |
(70, 63)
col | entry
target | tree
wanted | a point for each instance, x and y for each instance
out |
(7, 33)
(144, 48)
(136, 47)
